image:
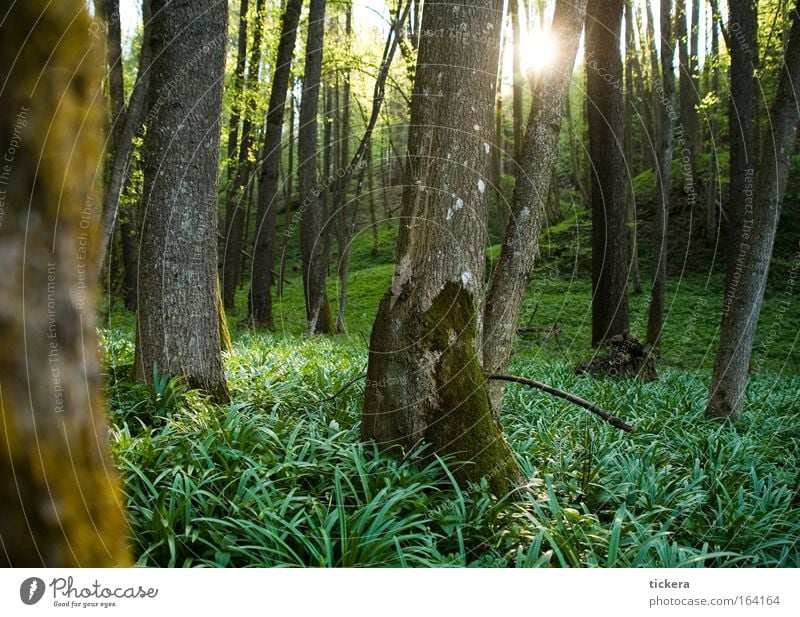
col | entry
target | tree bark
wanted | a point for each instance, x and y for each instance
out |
(425, 382)
(236, 91)
(264, 246)
(341, 209)
(742, 18)
(666, 111)
(313, 243)
(61, 504)
(521, 241)
(740, 315)
(178, 320)
(686, 36)
(630, 61)
(120, 158)
(237, 191)
(713, 124)
(606, 150)
(518, 81)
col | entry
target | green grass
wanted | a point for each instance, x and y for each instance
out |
(279, 477)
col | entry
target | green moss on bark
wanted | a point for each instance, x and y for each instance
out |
(464, 426)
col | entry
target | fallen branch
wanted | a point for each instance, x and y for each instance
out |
(610, 418)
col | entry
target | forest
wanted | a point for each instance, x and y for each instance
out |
(400, 283)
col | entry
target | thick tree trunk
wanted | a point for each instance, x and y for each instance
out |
(236, 219)
(264, 246)
(740, 316)
(739, 209)
(667, 113)
(178, 320)
(521, 241)
(425, 381)
(123, 142)
(313, 243)
(61, 505)
(609, 212)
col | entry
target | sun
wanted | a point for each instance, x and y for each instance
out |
(538, 52)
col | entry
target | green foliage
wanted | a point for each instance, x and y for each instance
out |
(278, 477)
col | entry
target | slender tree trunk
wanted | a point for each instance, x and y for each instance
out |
(238, 87)
(609, 233)
(120, 158)
(740, 315)
(521, 242)
(341, 207)
(313, 244)
(518, 81)
(668, 113)
(713, 184)
(130, 228)
(742, 18)
(577, 173)
(264, 244)
(237, 191)
(425, 382)
(630, 55)
(373, 217)
(178, 321)
(61, 504)
(116, 86)
(686, 36)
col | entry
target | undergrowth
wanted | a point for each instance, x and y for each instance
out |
(279, 477)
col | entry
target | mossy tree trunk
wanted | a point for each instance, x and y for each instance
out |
(60, 501)
(425, 380)
(740, 316)
(521, 240)
(178, 326)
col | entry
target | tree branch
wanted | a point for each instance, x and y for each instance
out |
(610, 418)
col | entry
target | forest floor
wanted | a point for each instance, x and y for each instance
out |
(278, 476)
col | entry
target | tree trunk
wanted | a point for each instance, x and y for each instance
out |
(518, 80)
(178, 321)
(341, 209)
(630, 59)
(742, 17)
(61, 504)
(237, 191)
(425, 382)
(264, 246)
(740, 315)
(668, 113)
(313, 244)
(686, 36)
(521, 242)
(577, 173)
(713, 176)
(120, 158)
(609, 232)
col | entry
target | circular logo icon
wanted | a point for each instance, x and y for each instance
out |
(31, 590)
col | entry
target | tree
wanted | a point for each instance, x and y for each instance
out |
(740, 312)
(514, 268)
(606, 151)
(665, 91)
(741, 108)
(235, 219)
(518, 81)
(631, 68)
(61, 503)
(126, 120)
(313, 243)
(689, 87)
(264, 244)
(425, 381)
(178, 329)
